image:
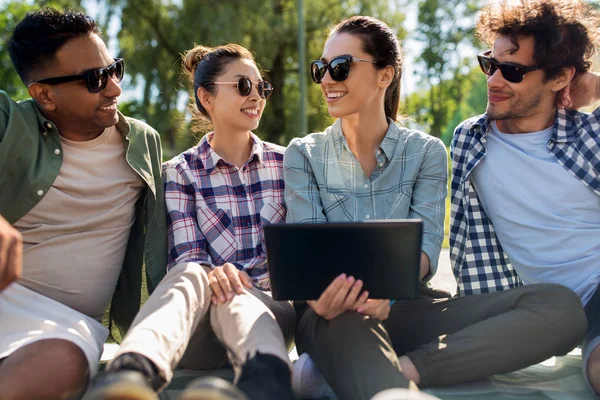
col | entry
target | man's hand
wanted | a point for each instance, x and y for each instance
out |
(226, 279)
(582, 91)
(11, 254)
(379, 309)
(343, 294)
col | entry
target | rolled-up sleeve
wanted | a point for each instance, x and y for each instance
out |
(429, 200)
(301, 190)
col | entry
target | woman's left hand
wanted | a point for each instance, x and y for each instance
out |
(379, 309)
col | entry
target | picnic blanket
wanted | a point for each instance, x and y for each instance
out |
(558, 378)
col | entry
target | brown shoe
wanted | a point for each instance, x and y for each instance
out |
(212, 388)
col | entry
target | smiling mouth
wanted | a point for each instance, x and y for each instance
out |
(253, 112)
(335, 95)
(112, 107)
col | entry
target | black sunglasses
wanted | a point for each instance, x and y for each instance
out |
(511, 72)
(96, 79)
(338, 68)
(244, 87)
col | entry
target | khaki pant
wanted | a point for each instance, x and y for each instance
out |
(179, 326)
(450, 340)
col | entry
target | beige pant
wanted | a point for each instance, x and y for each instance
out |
(179, 326)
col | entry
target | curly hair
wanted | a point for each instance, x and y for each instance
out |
(565, 32)
(37, 38)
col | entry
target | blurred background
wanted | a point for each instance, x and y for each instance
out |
(441, 83)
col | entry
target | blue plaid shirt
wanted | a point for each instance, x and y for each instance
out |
(324, 182)
(478, 260)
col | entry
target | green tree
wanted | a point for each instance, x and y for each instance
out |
(443, 26)
(11, 13)
(154, 34)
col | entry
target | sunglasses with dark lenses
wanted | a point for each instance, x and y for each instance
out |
(244, 86)
(338, 68)
(96, 79)
(511, 72)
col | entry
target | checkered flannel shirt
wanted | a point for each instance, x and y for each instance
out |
(216, 211)
(478, 260)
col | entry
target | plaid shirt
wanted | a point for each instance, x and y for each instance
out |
(478, 260)
(216, 211)
(325, 182)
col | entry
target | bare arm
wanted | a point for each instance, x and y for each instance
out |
(11, 254)
(583, 91)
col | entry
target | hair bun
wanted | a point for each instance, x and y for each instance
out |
(192, 58)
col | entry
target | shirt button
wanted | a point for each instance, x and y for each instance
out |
(380, 165)
(368, 216)
(378, 152)
(45, 134)
(366, 185)
(40, 192)
(48, 125)
(56, 151)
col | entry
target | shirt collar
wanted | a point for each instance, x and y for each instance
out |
(565, 126)
(387, 146)
(48, 127)
(564, 130)
(211, 160)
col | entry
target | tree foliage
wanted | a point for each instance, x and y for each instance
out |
(154, 34)
(11, 13)
(443, 26)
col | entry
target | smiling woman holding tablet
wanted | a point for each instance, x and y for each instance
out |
(366, 167)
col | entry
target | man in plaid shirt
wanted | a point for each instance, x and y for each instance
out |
(526, 174)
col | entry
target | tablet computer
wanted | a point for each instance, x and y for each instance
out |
(303, 259)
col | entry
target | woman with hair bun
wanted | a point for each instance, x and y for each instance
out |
(214, 307)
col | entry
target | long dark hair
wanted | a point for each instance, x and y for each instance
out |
(381, 43)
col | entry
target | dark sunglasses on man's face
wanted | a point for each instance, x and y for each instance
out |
(96, 79)
(338, 68)
(513, 73)
(244, 86)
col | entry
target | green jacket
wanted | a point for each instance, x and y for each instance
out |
(29, 165)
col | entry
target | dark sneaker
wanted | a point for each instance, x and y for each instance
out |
(130, 376)
(266, 377)
(121, 385)
(212, 388)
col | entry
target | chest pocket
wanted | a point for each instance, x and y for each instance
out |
(270, 213)
(217, 228)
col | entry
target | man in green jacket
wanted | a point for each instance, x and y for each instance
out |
(82, 185)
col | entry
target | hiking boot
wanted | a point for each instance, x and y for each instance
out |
(212, 388)
(307, 380)
(130, 376)
(266, 377)
(121, 385)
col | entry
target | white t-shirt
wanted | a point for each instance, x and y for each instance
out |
(75, 238)
(546, 219)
